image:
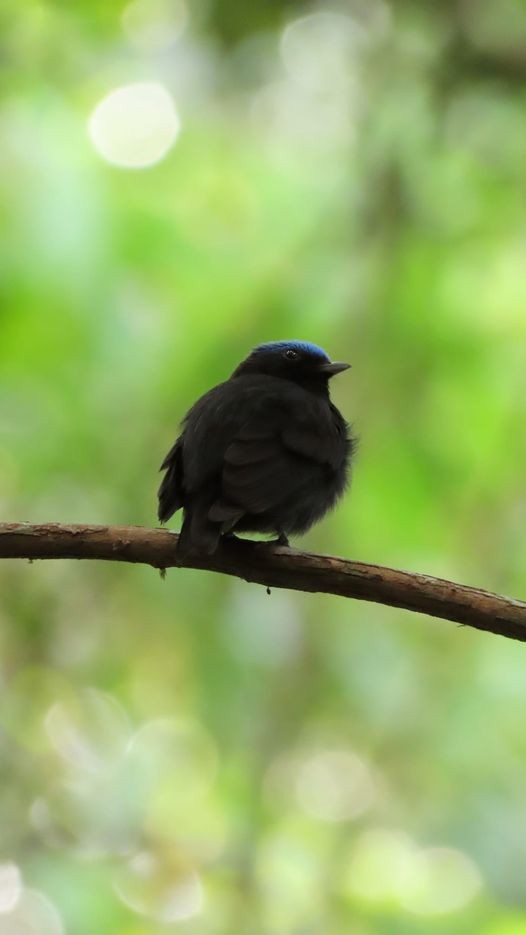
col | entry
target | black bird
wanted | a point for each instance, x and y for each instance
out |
(266, 451)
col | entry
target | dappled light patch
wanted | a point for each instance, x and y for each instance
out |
(134, 126)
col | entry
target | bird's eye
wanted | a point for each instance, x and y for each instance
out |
(290, 354)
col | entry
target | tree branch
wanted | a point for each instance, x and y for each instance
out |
(280, 568)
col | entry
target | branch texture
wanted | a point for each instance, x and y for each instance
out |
(279, 568)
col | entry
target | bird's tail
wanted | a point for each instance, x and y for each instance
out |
(170, 492)
(198, 532)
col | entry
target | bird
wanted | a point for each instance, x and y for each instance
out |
(266, 451)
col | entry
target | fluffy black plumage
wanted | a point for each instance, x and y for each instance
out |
(266, 451)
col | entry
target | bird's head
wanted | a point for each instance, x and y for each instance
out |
(298, 361)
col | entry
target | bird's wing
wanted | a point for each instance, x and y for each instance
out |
(260, 473)
(322, 436)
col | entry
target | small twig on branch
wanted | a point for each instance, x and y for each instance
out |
(279, 568)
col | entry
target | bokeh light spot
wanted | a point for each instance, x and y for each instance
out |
(443, 880)
(320, 50)
(379, 861)
(33, 914)
(288, 872)
(154, 24)
(388, 867)
(134, 126)
(10, 886)
(157, 886)
(335, 785)
(89, 733)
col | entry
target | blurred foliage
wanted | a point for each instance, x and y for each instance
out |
(193, 755)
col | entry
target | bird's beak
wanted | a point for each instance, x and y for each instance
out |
(331, 369)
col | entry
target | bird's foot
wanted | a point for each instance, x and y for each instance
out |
(282, 540)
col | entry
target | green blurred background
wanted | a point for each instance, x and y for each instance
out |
(194, 756)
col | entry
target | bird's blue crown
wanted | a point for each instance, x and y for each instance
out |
(302, 346)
